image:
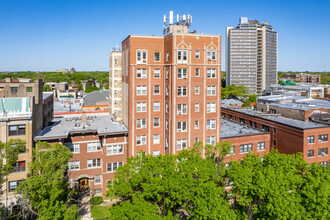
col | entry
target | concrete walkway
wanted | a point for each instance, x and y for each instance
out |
(84, 208)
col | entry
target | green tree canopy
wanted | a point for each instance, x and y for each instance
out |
(233, 91)
(170, 186)
(45, 192)
(46, 88)
(91, 89)
(279, 186)
(9, 152)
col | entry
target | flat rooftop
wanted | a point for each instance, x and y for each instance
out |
(278, 119)
(67, 105)
(62, 127)
(234, 129)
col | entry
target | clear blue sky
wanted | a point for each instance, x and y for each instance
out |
(46, 35)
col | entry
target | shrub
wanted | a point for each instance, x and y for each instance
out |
(96, 200)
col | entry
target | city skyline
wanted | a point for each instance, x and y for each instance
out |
(46, 36)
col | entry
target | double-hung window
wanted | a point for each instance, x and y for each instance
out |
(93, 146)
(182, 126)
(310, 139)
(141, 140)
(211, 90)
(323, 138)
(16, 130)
(94, 163)
(97, 179)
(323, 152)
(182, 90)
(182, 109)
(141, 90)
(211, 73)
(141, 123)
(156, 138)
(261, 146)
(210, 140)
(181, 144)
(196, 90)
(182, 56)
(141, 73)
(112, 167)
(182, 73)
(74, 147)
(156, 106)
(210, 124)
(141, 107)
(115, 149)
(196, 107)
(74, 165)
(157, 73)
(156, 89)
(141, 56)
(211, 107)
(197, 54)
(156, 122)
(157, 56)
(245, 148)
(211, 55)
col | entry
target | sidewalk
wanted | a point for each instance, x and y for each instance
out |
(84, 208)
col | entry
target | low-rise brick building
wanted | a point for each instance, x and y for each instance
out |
(99, 146)
(286, 135)
(244, 139)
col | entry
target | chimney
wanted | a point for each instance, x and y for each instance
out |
(83, 117)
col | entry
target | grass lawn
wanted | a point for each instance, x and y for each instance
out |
(100, 212)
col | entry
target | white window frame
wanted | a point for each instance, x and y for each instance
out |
(182, 56)
(141, 73)
(261, 146)
(90, 163)
(181, 144)
(142, 139)
(115, 149)
(140, 106)
(196, 124)
(155, 106)
(155, 57)
(197, 72)
(114, 166)
(182, 91)
(74, 165)
(141, 123)
(211, 90)
(156, 139)
(211, 107)
(182, 73)
(141, 90)
(211, 124)
(93, 146)
(211, 55)
(97, 179)
(143, 57)
(196, 107)
(74, 146)
(196, 90)
(210, 140)
(156, 73)
(182, 109)
(211, 73)
(157, 126)
(181, 126)
(246, 148)
(155, 90)
(197, 55)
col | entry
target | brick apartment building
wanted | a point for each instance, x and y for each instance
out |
(303, 77)
(171, 89)
(286, 135)
(25, 109)
(99, 146)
